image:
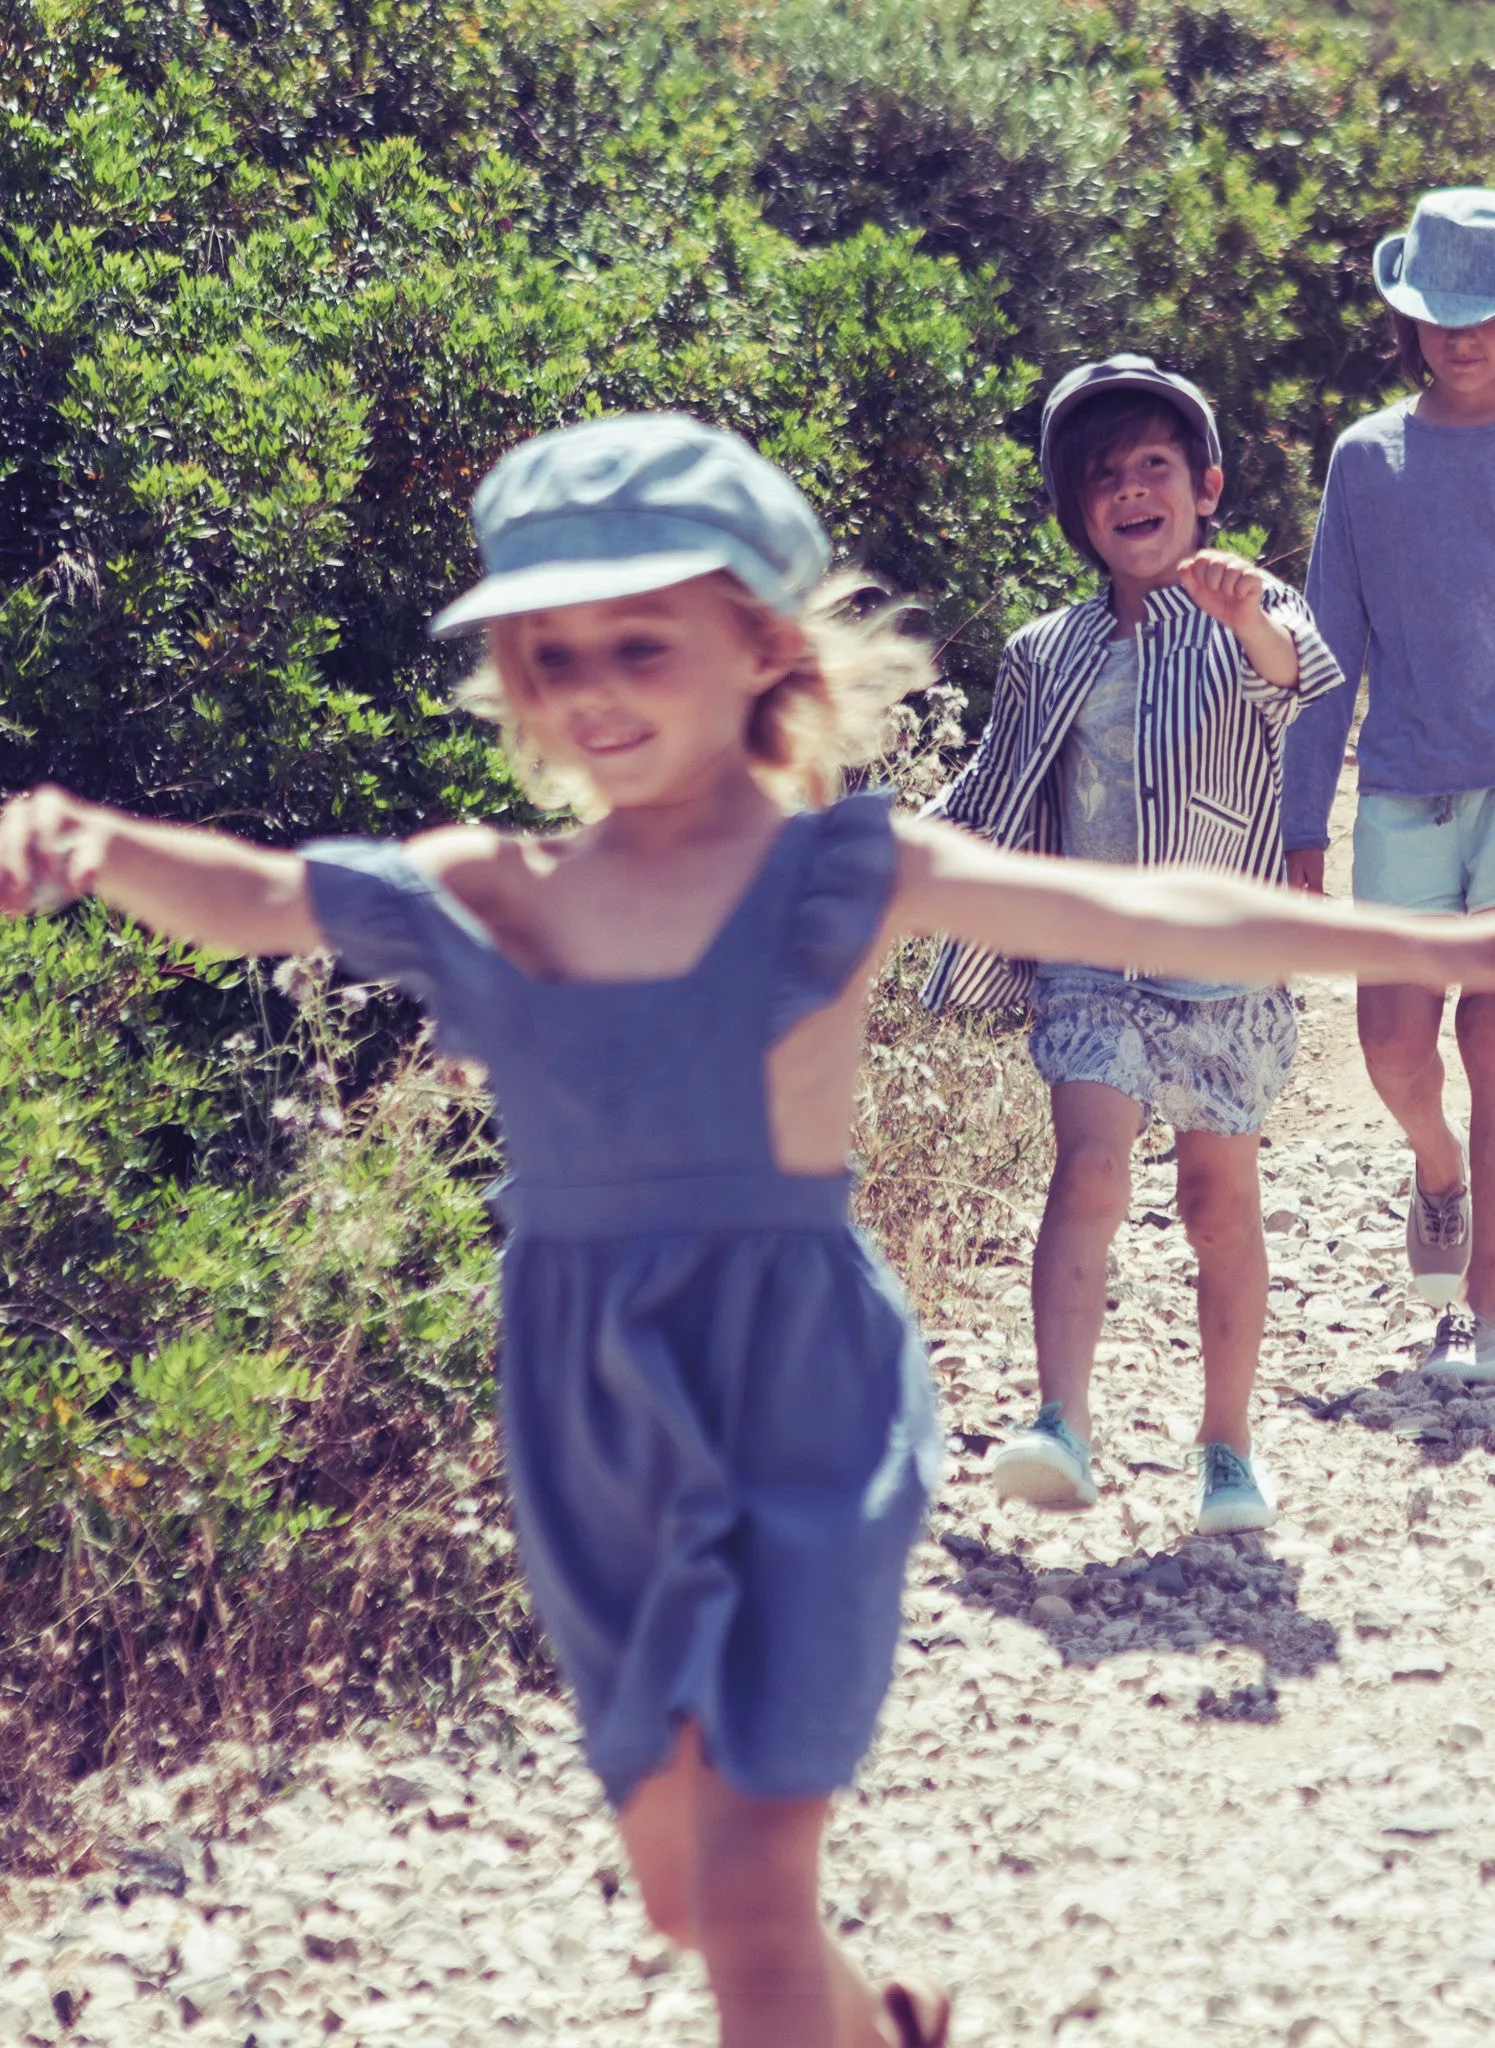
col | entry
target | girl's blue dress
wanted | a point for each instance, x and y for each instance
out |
(718, 1419)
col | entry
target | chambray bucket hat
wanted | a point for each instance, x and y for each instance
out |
(620, 506)
(1123, 373)
(1442, 269)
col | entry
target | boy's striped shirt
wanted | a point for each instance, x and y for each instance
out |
(1208, 762)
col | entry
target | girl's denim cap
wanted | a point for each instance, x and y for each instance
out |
(1442, 269)
(621, 506)
(1124, 373)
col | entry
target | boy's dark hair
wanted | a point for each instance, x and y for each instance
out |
(1410, 359)
(1108, 425)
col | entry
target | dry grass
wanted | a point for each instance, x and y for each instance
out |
(952, 1130)
(952, 1136)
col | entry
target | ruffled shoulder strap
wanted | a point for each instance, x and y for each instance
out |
(386, 921)
(844, 884)
(369, 899)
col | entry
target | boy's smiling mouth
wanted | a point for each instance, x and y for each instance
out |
(1140, 527)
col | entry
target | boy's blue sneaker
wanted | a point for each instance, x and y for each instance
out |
(1235, 1493)
(1046, 1464)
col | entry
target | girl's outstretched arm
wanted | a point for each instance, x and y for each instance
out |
(1173, 921)
(186, 884)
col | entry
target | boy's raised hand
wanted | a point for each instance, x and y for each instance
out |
(1230, 588)
(1226, 586)
(51, 850)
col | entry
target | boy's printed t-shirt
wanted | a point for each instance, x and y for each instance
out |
(1209, 733)
(1098, 764)
(1402, 582)
(1097, 790)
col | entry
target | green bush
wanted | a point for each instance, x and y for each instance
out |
(262, 326)
(277, 283)
(1448, 29)
(244, 1366)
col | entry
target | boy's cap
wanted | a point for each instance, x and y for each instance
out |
(620, 506)
(1442, 269)
(1123, 373)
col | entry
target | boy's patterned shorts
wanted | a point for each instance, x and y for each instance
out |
(1200, 1066)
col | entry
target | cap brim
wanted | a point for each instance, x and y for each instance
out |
(549, 584)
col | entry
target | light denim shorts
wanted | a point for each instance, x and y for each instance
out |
(1200, 1066)
(1426, 852)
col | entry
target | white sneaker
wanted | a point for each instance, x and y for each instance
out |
(1234, 1494)
(1483, 1366)
(1045, 1464)
(1455, 1347)
(1439, 1234)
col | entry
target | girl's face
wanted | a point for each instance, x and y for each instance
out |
(1142, 510)
(1462, 359)
(649, 696)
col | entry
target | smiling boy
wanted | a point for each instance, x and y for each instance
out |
(1143, 726)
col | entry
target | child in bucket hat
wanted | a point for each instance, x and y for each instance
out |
(719, 1428)
(1402, 580)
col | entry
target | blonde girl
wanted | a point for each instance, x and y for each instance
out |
(719, 1424)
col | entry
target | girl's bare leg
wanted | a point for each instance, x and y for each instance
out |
(1219, 1199)
(736, 1879)
(1095, 1128)
(758, 1919)
(658, 1826)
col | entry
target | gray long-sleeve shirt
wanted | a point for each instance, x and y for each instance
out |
(1402, 583)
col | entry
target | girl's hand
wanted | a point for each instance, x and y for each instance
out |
(184, 883)
(1228, 587)
(51, 850)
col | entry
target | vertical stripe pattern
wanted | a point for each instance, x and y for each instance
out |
(1209, 753)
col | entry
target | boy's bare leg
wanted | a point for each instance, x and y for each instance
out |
(1095, 1128)
(737, 1879)
(1219, 1199)
(1475, 1019)
(1399, 1038)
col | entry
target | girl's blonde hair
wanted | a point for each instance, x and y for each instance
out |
(829, 711)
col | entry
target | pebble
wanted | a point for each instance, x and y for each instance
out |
(1050, 1607)
(1423, 1821)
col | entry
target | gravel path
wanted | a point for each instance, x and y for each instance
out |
(1132, 1786)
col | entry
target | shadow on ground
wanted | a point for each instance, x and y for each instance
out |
(1445, 1418)
(1218, 1589)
